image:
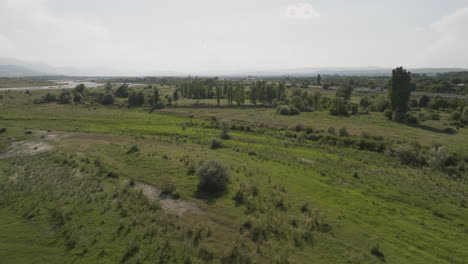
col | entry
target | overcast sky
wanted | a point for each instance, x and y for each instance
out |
(143, 36)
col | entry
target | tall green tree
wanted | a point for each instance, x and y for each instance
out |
(400, 91)
(218, 93)
(108, 87)
(240, 95)
(156, 97)
(175, 96)
(319, 79)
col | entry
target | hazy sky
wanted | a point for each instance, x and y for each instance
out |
(143, 36)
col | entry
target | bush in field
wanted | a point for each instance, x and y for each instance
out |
(409, 155)
(216, 143)
(381, 104)
(168, 187)
(412, 119)
(225, 126)
(365, 102)
(331, 130)
(136, 99)
(435, 116)
(414, 103)
(48, 98)
(438, 158)
(107, 99)
(122, 91)
(464, 117)
(388, 114)
(455, 115)
(78, 98)
(133, 149)
(213, 177)
(338, 107)
(2, 130)
(343, 132)
(438, 103)
(65, 97)
(287, 110)
(424, 101)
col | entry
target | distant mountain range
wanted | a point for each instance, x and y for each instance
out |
(10, 67)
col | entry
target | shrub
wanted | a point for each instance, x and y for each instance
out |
(331, 130)
(122, 91)
(439, 103)
(287, 110)
(65, 97)
(464, 117)
(388, 114)
(412, 119)
(293, 110)
(49, 97)
(435, 116)
(455, 115)
(338, 107)
(449, 130)
(133, 149)
(408, 155)
(78, 98)
(112, 174)
(191, 169)
(225, 126)
(216, 143)
(2, 130)
(365, 102)
(299, 127)
(107, 99)
(283, 110)
(343, 132)
(136, 99)
(424, 101)
(213, 177)
(168, 187)
(309, 130)
(381, 103)
(414, 103)
(438, 158)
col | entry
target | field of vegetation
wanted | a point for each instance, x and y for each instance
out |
(231, 171)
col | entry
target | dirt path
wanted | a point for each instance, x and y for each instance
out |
(26, 147)
(170, 205)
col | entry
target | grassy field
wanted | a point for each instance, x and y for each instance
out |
(304, 202)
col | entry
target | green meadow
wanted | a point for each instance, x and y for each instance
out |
(290, 199)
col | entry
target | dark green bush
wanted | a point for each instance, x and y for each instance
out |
(215, 143)
(213, 177)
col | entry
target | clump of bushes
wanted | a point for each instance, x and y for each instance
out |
(343, 132)
(225, 126)
(287, 110)
(409, 155)
(435, 116)
(48, 98)
(213, 177)
(216, 143)
(2, 130)
(133, 149)
(106, 99)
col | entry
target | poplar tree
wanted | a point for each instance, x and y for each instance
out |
(400, 91)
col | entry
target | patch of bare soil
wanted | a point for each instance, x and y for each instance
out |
(170, 205)
(26, 147)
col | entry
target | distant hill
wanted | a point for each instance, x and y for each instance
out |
(17, 71)
(11, 67)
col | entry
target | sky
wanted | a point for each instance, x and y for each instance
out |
(147, 36)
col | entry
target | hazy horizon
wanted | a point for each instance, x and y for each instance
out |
(145, 36)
